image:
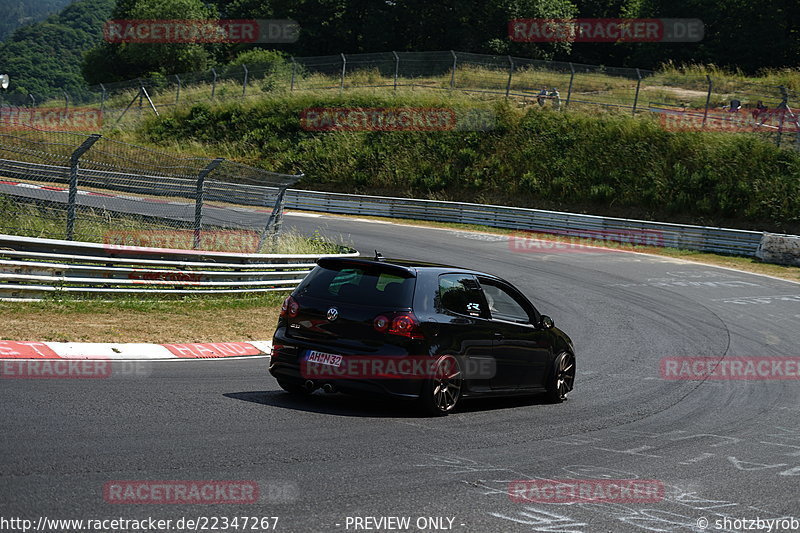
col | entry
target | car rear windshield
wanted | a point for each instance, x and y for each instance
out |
(360, 285)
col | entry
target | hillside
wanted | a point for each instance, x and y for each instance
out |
(18, 13)
(593, 163)
(45, 57)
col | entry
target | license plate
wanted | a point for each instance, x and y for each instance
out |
(323, 358)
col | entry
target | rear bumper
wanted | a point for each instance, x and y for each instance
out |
(285, 364)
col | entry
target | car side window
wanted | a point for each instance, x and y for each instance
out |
(503, 305)
(460, 293)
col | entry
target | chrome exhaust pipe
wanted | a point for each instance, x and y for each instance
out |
(309, 385)
(329, 388)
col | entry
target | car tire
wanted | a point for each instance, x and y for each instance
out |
(562, 378)
(293, 388)
(440, 394)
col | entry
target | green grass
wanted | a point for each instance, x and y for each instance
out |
(675, 84)
(34, 220)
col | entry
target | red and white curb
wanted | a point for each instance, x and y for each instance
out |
(132, 351)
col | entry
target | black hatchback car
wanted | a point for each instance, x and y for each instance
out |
(420, 331)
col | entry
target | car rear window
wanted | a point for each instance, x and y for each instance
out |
(359, 285)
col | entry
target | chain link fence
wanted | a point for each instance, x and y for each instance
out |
(678, 100)
(73, 186)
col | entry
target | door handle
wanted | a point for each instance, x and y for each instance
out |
(498, 336)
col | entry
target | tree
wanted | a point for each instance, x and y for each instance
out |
(17, 13)
(120, 61)
(45, 58)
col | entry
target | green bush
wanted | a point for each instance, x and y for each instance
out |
(604, 164)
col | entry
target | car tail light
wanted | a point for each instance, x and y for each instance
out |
(290, 307)
(402, 324)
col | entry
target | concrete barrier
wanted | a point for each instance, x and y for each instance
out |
(779, 249)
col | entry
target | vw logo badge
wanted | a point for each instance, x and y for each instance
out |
(333, 314)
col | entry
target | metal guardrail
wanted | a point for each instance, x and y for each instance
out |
(142, 184)
(33, 267)
(687, 237)
(638, 232)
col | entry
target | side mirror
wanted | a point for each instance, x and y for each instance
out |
(546, 322)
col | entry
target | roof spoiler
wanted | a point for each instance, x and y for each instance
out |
(380, 265)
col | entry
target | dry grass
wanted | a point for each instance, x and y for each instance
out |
(155, 322)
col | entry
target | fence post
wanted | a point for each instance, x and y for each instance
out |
(66, 100)
(708, 100)
(273, 226)
(571, 79)
(453, 72)
(510, 73)
(796, 125)
(344, 69)
(102, 99)
(213, 83)
(638, 85)
(396, 68)
(73, 183)
(783, 108)
(244, 82)
(198, 199)
(141, 96)
(178, 90)
(294, 69)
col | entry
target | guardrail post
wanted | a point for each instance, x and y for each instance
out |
(294, 69)
(396, 68)
(178, 90)
(213, 83)
(273, 226)
(73, 183)
(510, 73)
(453, 72)
(708, 100)
(571, 79)
(344, 69)
(638, 86)
(244, 82)
(198, 199)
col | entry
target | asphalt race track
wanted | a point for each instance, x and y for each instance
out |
(720, 448)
